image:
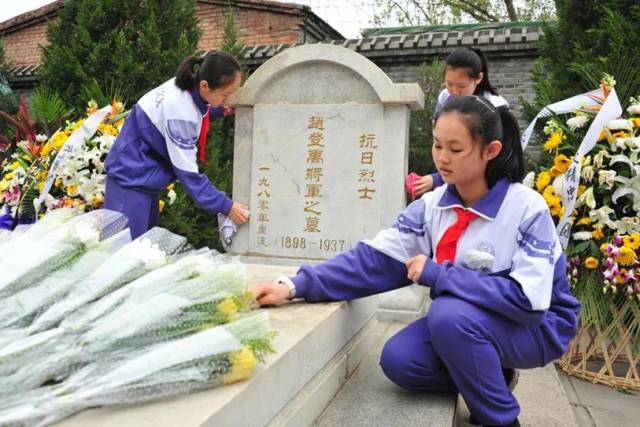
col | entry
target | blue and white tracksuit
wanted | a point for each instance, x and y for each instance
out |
(503, 303)
(158, 143)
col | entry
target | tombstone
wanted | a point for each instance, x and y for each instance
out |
(321, 153)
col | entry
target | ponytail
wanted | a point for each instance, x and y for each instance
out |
(475, 61)
(217, 68)
(186, 77)
(484, 85)
(510, 162)
(485, 124)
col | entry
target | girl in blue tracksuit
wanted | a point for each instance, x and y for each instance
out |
(466, 73)
(160, 138)
(486, 247)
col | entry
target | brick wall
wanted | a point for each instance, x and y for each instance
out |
(23, 47)
(257, 27)
(510, 76)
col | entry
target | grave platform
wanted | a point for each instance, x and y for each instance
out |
(318, 347)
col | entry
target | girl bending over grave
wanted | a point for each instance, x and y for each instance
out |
(160, 138)
(466, 73)
(487, 248)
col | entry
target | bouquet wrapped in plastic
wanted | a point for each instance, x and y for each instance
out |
(144, 254)
(186, 307)
(19, 309)
(212, 357)
(32, 256)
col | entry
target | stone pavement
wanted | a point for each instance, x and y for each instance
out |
(547, 396)
(601, 406)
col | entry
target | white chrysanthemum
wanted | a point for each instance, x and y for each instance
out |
(172, 196)
(601, 217)
(577, 122)
(148, 253)
(105, 142)
(620, 124)
(598, 159)
(88, 235)
(41, 138)
(92, 187)
(607, 177)
(587, 173)
(634, 110)
(557, 184)
(582, 235)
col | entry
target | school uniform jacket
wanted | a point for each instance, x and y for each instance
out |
(158, 143)
(508, 261)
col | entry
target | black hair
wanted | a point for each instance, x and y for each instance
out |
(475, 62)
(487, 123)
(217, 68)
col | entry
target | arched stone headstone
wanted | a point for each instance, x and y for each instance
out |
(321, 152)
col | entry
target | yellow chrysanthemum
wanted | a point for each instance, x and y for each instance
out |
(635, 121)
(597, 233)
(107, 129)
(555, 139)
(227, 309)
(8, 176)
(632, 241)
(161, 205)
(603, 134)
(57, 182)
(621, 134)
(242, 364)
(543, 180)
(58, 139)
(584, 221)
(581, 189)
(71, 190)
(603, 248)
(171, 186)
(75, 125)
(627, 256)
(40, 186)
(562, 162)
(591, 262)
(97, 202)
(46, 149)
(13, 166)
(4, 185)
(43, 175)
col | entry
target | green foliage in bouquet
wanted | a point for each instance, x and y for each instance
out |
(421, 125)
(137, 42)
(589, 37)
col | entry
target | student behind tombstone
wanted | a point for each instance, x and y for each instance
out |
(487, 248)
(160, 138)
(466, 73)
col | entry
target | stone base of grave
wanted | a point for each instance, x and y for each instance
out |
(318, 347)
(404, 305)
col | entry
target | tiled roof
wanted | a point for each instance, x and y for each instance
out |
(438, 42)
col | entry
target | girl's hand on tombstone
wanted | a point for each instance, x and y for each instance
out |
(270, 293)
(228, 111)
(239, 213)
(415, 266)
(423, 185)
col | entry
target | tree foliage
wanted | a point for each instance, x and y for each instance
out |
(589, 38)
(435, 12)
(136, 42)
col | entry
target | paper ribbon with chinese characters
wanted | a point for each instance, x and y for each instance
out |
(611, 109)
(86, 130)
